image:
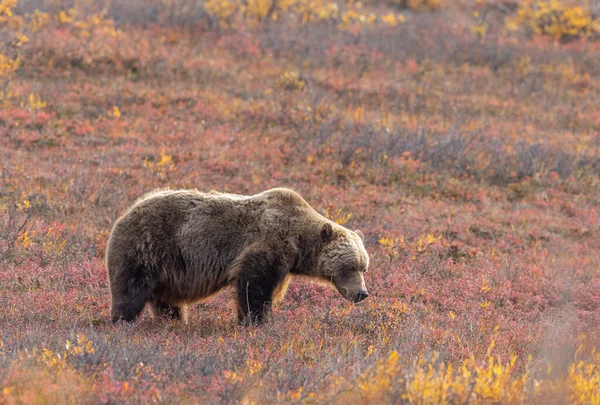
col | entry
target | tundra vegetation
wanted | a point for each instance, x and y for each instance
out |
(462, 137)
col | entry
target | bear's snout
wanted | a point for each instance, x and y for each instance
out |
(361, 295)
(352, 287)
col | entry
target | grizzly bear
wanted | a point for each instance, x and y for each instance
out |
(173, 248)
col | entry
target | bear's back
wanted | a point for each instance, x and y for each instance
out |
(169, 212)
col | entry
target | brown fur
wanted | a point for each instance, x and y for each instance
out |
(173, 248)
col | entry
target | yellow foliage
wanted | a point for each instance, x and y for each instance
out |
(392, 19)
(24, 206)
(11, 26)
(5, 8)
(253, 366)
(554, 18)
(254, 12)
(290, 80)
(387, 242)
(257, 10)
(494, 381)
(388, 123)
(233, 377)
(95, 22)
(380, 379)
(339, 216)
(359, 114)
(480, 29)
(583, 381)
(392, 246)
(353, 17)
(53, 361)
(430, 382)
(34, 103)
(68, 17)
(419, 4)
(39, 20)
(309, 10)
(116, 112)
(427, 240)
(44, 377)
(24, 240)
(81, 347)
(161, 167)
(223, 10)
(8, 66)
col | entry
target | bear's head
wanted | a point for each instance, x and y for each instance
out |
(342, 261)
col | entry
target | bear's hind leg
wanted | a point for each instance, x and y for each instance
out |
(129, 307)
(130, 292)
(161, 308)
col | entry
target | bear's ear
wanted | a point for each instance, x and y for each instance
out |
(360, 234)
(326, 232)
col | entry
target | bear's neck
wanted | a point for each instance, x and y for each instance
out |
(305, 261)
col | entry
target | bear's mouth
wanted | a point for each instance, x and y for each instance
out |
(355, 297)
(343, 292)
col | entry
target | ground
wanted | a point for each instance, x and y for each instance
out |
(462, 138)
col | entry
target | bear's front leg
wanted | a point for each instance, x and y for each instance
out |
(260, 274)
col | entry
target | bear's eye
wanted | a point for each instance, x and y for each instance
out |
(352, 269)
